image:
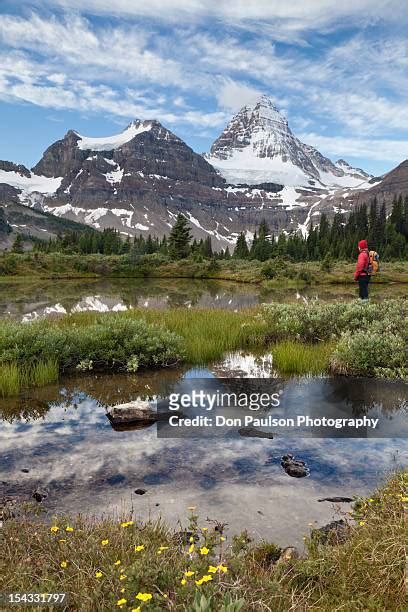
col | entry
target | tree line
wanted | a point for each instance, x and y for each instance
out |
(338, 239)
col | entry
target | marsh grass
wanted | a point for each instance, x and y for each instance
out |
(14, 377)
(9, 380)
(290, 357)
(363, 572)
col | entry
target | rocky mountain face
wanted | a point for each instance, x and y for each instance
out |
(392, 185)
(139, 180)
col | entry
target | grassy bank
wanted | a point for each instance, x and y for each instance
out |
(270, 273)
(345, 338)
(125, 564)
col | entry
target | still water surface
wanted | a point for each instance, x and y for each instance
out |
(62, 436)
(28, 301)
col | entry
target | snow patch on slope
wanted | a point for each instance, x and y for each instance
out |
(108, 143)
(41, 184)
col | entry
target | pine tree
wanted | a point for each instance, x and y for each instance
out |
(241, 250)
(179, 238)
(18, 245)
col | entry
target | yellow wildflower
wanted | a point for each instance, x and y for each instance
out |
(68, 528)
(204, 529)
(122, 590)
(183, 581)
(361, 523)
(204, 550)
(223, 568)
(54, 529)
(98, 574)
(222, 539)
(117, 562)
(122, 577)
(139, 548)
(191, 548)
(121, 602)
(206, 578)
(213, 569)
(127, 524)
(404, 499)
(163, 548)
(105, 542)
(64, 564)
(144, 596)
(191, 539)
(138, 609)
(189, 573)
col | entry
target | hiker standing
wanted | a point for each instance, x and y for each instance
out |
(362, 269)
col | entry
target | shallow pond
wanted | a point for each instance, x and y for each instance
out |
(61, 435)
(25, 300)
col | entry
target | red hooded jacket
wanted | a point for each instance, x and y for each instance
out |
(363, 262)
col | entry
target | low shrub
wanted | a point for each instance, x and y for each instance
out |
(108, 342)
(371, 353)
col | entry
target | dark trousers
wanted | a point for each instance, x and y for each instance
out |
(363, 287)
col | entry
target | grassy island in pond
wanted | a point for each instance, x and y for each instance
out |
(344, 338)
(109, 564)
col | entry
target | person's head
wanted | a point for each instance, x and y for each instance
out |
(362, 245)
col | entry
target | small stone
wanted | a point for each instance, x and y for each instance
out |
(40, 494)
(140, 491)
(25, 470)
(287, 554)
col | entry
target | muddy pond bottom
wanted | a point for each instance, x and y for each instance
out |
(59, 439)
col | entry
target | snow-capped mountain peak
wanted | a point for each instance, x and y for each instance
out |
(258, 146)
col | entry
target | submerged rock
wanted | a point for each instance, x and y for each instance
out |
(252, 432)
(339, 500)
(294, 467)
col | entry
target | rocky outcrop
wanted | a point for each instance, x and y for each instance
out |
(294, 467)
(392, 185)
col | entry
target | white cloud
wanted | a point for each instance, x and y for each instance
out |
(348, 147)
(233, 95)
(287, 19)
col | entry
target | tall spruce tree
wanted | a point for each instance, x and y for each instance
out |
(241, 250)
(179, 238)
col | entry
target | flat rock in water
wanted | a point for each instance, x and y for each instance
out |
(132, 412)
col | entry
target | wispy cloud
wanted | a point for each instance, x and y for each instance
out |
(339, 69)
(369, 148)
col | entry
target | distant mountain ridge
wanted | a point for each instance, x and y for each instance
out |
(139, 180)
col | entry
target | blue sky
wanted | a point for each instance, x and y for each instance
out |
(338, 70)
